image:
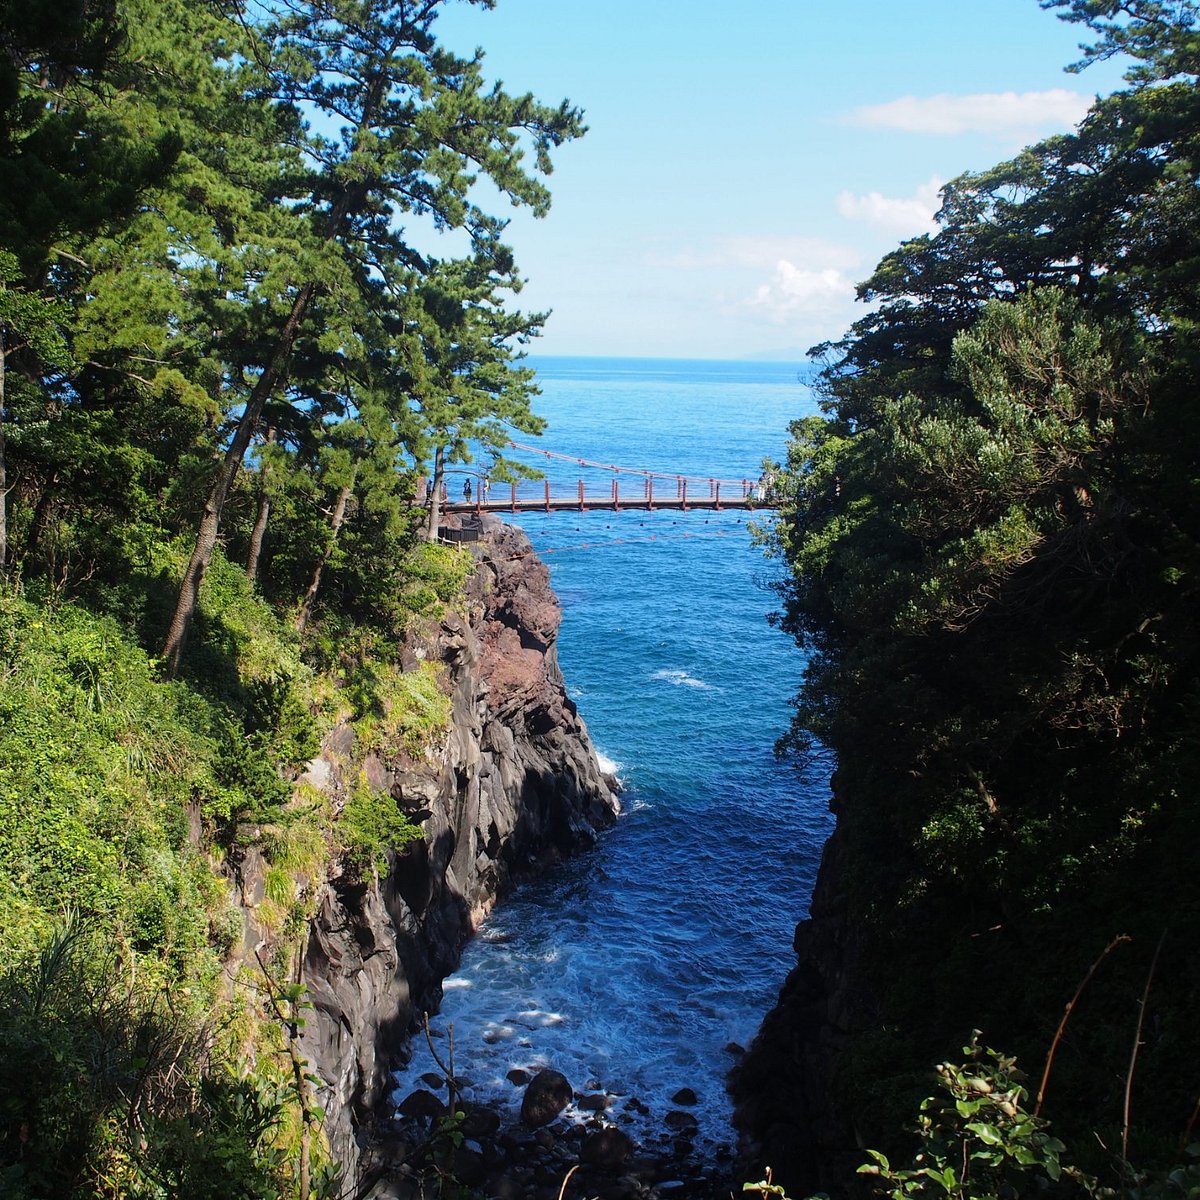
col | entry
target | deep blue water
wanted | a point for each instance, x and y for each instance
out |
(633, 966)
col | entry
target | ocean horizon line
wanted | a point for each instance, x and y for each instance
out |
(535, 356)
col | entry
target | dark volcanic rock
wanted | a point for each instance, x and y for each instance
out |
(784, 1109)
(681, 1121)
(480, 1123)
(468, 1166)
(513, 785)
(685, 1096)
(606, 1148)
(546, 1096)
(421, 1104)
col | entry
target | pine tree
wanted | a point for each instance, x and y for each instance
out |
(412, 125)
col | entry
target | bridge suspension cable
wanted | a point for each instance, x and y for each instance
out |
(645, 471)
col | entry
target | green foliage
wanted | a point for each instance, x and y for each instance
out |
(1160, 37)
(29, 320)
(122, 1100)
(977, 1139)
(97, 762)
(198, 270)
(399, 710)
(370, 825)
(433, 575)
(995, 561)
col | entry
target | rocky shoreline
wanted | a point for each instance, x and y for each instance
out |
(565, 1142)
(514, 786)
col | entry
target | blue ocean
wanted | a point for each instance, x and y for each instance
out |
(638, 967)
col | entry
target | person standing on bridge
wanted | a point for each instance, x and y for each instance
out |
(486, 485)
(467, 491)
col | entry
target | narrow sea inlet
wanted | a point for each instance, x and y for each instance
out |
(638, 967)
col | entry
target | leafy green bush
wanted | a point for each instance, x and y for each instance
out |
(98, 760)
(126, 1101)
(977, 1138)
(432, 575)
(370, 825)
(979, 1141)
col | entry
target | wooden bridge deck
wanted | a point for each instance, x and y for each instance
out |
(705, 495)
(650, 491)
(605, 504)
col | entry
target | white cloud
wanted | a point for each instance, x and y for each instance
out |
(759, 284)
(794, 291)
(907, 216)
(759, 253)
(1002, 114)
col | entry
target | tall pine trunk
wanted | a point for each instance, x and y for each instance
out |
(260, 521)
(210, 518)
(41, 514)
(435, 497)
(336, 520)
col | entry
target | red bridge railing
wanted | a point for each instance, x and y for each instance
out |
(545, 495)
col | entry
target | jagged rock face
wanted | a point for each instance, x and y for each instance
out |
(516, 786)
(784, 1107)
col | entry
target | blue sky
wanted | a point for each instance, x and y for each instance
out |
(745, 166)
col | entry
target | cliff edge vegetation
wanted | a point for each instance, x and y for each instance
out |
(228, 351)
(995, 571)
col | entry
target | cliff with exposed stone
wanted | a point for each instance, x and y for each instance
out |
(785, 1103)
(514, 785)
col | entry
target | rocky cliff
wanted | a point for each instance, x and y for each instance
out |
(785, 1105)
(514, 785)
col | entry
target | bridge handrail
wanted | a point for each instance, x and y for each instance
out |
(542, 494)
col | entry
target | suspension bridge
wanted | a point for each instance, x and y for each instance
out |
(617, 488)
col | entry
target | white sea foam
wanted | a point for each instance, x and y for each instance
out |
(495, 1032)
(682, 679)
(455, 982)
(607, 765)
(534, 1018)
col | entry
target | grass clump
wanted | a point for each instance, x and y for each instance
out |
(98, 762)
(396, 708)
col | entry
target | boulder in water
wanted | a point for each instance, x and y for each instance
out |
(421, 1104)
(480, 1123)
(682, 1121)
(546, 1096)
(606, 1148)
(685, 1095)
